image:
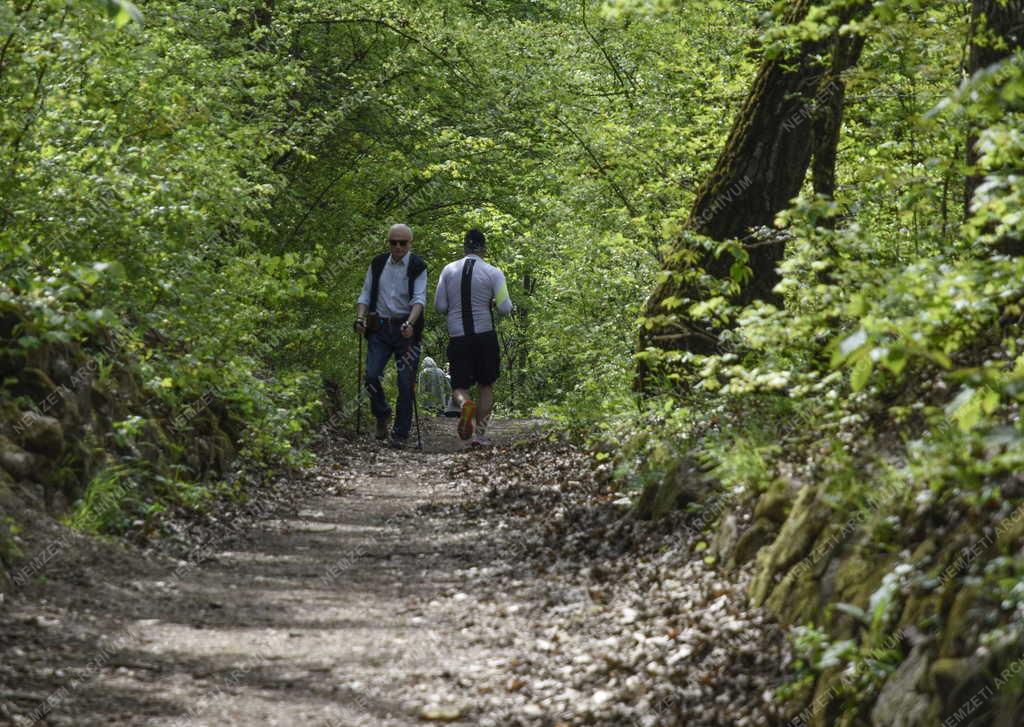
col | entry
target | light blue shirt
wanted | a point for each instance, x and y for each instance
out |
(393, 295)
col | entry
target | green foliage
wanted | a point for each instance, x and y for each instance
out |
(861, 670)
(110, 503)
(139, 169)
(741, 463)
(243, 194)
(194, 199)
(890, 378)
(121, 12)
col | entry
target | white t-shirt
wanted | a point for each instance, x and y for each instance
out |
(486, 283)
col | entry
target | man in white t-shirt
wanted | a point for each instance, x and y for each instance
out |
(466, 290)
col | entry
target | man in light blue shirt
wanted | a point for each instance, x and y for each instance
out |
(389, 312)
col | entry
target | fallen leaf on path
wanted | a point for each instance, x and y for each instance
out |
(440, 713)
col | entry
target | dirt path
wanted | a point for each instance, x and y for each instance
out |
(496, 587)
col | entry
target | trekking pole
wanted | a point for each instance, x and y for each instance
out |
(415, 403)
(503, 353)
(359, 389)
(416, 411)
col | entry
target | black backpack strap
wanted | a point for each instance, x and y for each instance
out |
(467, 297)
(376, 269)
(417, 266)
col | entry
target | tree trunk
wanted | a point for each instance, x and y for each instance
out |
(762, 167)
(828, 117)
(997, 31)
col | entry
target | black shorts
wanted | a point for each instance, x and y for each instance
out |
(474, 359)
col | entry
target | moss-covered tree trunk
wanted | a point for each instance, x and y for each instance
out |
(761, 168)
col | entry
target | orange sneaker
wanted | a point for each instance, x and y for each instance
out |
(466, 419)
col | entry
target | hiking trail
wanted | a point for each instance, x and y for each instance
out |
(503, 586)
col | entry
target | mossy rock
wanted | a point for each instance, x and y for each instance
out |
(80, 402)
(685, 484)
(903, 700)
(19, 463)
(39, 356)
(796, 598)
(35, 384)
(798, 698)
(10, 317)
(970, 693)
(129, 387)
(761, 533)
(10, 413)
(775, 503)
(808, 517)
(32, 494)
(956, 679)
(727, 535)
(67, 480)
(1010, 532)
(960, 621)
(826, 707)
(950, 550)
(41, 434)
(223, 448)
(71, 414)
(102, 410)
(12, 361)
(859, 574)
(8, 500)
(65, 363)
(853, 715)
(922, 609)
(154, 444)
(1009, 704)
(925, 549)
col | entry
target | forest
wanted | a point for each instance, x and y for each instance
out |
(758, 454)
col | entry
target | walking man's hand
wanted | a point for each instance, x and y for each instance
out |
(407, 330)
(359, 326)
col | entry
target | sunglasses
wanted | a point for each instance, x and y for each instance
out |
(403, 243)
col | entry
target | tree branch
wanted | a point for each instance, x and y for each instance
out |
(599, 165)
(616, 71)
(382, 23)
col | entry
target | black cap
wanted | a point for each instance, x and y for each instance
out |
(474, 241)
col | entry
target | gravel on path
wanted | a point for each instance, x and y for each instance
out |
(502, 586)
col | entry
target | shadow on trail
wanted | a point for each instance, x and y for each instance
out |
(284, 613)
(387, 582)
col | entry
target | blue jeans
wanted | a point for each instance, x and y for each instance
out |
(382, 345)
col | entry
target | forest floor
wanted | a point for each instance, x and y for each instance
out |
(506, 586)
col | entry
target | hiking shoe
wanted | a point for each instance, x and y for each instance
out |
(397, 442)
(382, 429)
(466, 423)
